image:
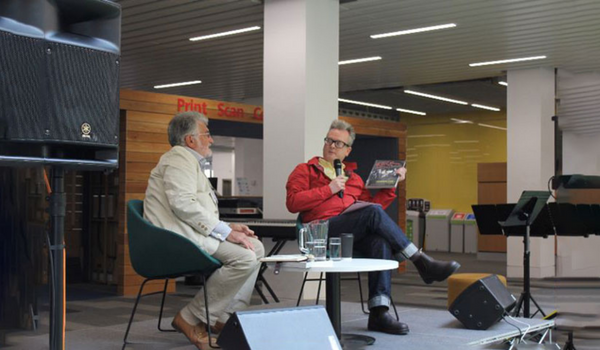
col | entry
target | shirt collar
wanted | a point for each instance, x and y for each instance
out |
(201, 160)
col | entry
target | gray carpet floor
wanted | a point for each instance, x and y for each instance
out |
(96, 318)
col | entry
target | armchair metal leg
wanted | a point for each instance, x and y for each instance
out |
(394, 306)
(137, 300)
(301, 289)
(210, 342)
(362, 300)
(162, 304)
(319, 290)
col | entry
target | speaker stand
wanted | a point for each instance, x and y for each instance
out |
(526, 297)
(57, 258)
(569, 344)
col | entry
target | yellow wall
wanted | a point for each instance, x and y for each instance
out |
(442, 168)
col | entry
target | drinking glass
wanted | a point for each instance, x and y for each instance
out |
(335, 248)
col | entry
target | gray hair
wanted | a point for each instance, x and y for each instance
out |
(184, 124)
(343, 125)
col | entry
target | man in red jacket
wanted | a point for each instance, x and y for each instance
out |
(312, 191)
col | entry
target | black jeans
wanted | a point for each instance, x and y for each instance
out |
(376, 236)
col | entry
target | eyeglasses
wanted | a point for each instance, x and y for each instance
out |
(337, 143)
(207, 134)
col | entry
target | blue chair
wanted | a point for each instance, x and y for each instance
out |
(320, 280)
(159, 254)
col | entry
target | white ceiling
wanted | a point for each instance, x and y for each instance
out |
(156, 49)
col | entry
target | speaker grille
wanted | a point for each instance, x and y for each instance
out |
(84, 84)
(20, 87)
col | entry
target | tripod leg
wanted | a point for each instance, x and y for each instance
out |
(519, 305)
(538, 306)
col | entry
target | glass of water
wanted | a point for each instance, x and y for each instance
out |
(335, 248)
(320, 249)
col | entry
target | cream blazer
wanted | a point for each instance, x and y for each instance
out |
(178, 198)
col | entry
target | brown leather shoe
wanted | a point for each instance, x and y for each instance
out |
(197, 334)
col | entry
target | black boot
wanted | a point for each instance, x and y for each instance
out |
(381, 321)
(432, 270)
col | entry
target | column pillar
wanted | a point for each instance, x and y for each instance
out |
(301, 44)
(530, 157)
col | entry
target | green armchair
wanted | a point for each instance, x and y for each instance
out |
(158, 254)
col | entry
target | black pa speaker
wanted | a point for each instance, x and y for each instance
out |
(59, 81)
(483, 303)
(300, 328)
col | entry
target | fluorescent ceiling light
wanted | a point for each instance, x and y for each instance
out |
(507, 61)
(503, 83)
(485, 107)
(436, 97)
(410, 111)
(430, 135)
(492, 126)
(359, 60)
(466, 141)
(468, 150)
(412, 31)
(461, 121)
(364, 103)
(177, 84)
(231, 32)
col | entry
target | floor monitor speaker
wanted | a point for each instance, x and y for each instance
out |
(300, 328)
(483, 303)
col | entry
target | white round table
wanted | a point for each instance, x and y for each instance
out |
(332, 285)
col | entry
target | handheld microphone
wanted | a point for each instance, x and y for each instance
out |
(337, 164)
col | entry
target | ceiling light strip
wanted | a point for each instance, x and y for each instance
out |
(410, 111)
(485, 107)
(436, 97)
(507, 61)
(413, 31)
(364, 104)
(492, 126)
(503, 83)
(231, 32)
(461, 121)
(177, 84)
(359, 60)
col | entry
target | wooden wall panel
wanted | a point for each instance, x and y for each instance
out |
(491, 189)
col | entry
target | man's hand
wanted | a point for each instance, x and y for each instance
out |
(239, 237)
(338, 184)
(243, 228)
(402, 173)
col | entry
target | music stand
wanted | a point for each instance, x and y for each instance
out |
(528, 207)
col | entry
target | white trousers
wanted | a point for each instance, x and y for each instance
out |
(230, 287)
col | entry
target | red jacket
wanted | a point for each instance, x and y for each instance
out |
(308, 192)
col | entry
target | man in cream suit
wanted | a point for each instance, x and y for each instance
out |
(180, 198)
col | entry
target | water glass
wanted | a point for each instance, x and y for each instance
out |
(335, 248)
(320, 249)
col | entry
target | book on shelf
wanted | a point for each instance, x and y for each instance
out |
(383, 174)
